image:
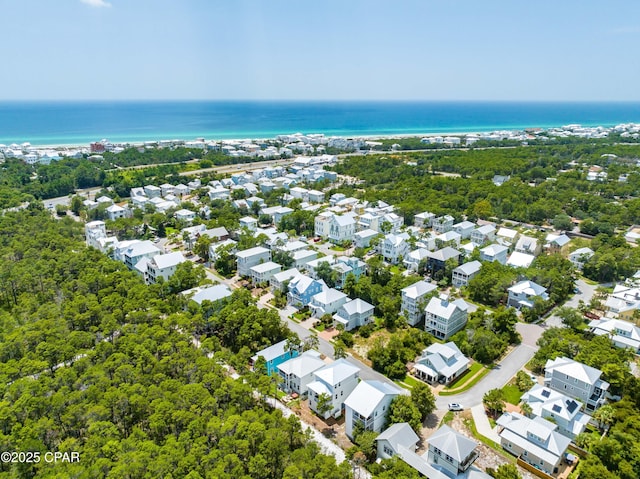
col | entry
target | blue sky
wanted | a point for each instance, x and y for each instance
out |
(321, 49)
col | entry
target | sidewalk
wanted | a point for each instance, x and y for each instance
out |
(482, 423)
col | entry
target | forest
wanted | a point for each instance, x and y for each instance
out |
(96, 362)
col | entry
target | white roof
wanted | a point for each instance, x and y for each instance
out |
(573, 369)
(507, 233)
(399, 434)
(419, 289)
(265, 267)
(368, 233)
(520, 260)
(272, 352)
(622, 331)
(336, 372)
(303, 365)
(529, 288)
(357, 306)
(286, 274)
(210, 293)
(445, 309)
(469, 268)
(141, 248)
(582, 251)
(168, 260)
(184, 212)
(444, 359)
(486, 229)
(452, 443)
(494, 249)
(367, 395)
(343, 220)
(251, 252)
(329, 296)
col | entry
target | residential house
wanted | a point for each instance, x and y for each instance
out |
(181, 190)
(558, 408)
(215, 249)
(185, 215)
(452, 452)
(442, 224)
(279, 280)
(274, 356)
(464, 273)
(528, 245)
(556, 243)
(276, 213)
(316, 196)
(390, 441)
(520, 260)
(297, 372)
(341, 228)
(263, 272)
(441, 363)
(623, 334)
(535, 441)
(394, 247)
(483, 235)
(213, 293)
(115, 212)
(219, 193)
(494, 252)
(444, 318)
(337, 381)
(437, 260)
(302, 289)
(152, 191)
(249, 222)
(464, 229)
(423, 220)
(346, 265)
(524, 293)
(498, 180)
(363, 238)
(414, 300)
(94, 230)
(353, 314)
(163, 266)
(580, 256)
(414, 258)
(623, 302)
(137, 251)
(506, 236)
(450, 238)
(302, 257)
(322, 224)
(327, 301)
(368, 405)
(251, 257)
(576, 380)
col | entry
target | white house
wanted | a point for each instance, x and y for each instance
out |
(454, 453)
(327, 302)
(251, 257)
(414, 300)
(302, 257)
(524, 293)
(580, 256)
(564, 411)
(622, 333)
(114, 212)
(623, 302)
(390, 441)
(138, 250)
(368, 405)
(322, 224)
(414, 258)
(152, 191)
(363, 238)
(464, 229)
(341, 228)
(353, 314)
(464, 273)
(394, 247)
(535, 441)
(208, 293)
(528, 245)
(443, 318)
(441, 363)
(483, 234)
(263, 272)
(423, 220)
(163, 266)
(297, 372)
(576, 380)
(520, 260)
(506, 236)
(337, 380)
(185, 215)
(278, 280)
(449, 238)
(494, 252)
(442, 224)
(249, 222)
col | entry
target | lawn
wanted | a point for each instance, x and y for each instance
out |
(408, 382)
(461, 380)
(511, 394)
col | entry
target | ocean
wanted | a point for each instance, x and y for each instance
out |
(79, 123)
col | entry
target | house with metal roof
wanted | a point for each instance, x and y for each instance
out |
(337, 380)
(494, 252)
(297, 372)
(274, 355)
(353, 314)
(327, 301)
(441, 363)
(414, 299)
(396, 435)
(523, 294)
(559, 408)
(444, 318)
(535, 441)
(368, 405)
(464, 273)
(576, 380)
(622, 333)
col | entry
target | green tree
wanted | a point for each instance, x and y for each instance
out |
(494, 401)
(403, 409)
(423, 398)
(505, 471)
(324, 405)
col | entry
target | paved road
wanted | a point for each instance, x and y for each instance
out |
(585, 293)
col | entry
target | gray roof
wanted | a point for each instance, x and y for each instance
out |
(357, 306)
(452, 443)
(211, 293)
(573, 369)
(368, 394)
(399, 434)
(303, 365)
(168, 260)
(469, 268)
(444, 254)
(418, 289)
(265, 267)
(336, 372)
(494, 249)
(445, 309)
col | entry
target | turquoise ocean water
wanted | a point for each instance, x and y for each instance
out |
(50, 123)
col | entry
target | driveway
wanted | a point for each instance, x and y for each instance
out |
(585, 293)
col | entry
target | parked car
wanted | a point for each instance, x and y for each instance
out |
(454, 406)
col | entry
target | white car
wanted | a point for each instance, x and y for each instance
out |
(454, 406)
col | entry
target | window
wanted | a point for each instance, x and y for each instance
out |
(524, 453)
